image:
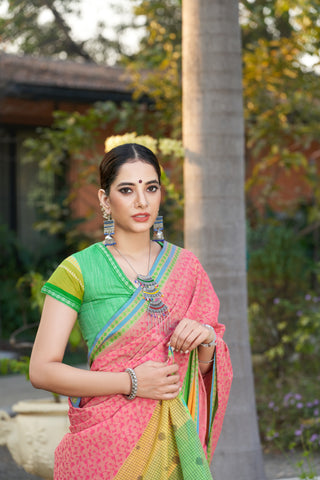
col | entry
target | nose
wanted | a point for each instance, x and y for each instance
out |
(141, 200)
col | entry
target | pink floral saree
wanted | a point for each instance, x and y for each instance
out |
(115, 438)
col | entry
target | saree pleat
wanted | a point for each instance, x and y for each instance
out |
(168, 449)
(112, 437)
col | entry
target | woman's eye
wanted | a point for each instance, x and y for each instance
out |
(153, 188)
(125, 190)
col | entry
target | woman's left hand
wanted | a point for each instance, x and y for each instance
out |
(189, 334)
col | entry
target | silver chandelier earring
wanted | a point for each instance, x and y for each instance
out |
(158, 235)
(108, 227)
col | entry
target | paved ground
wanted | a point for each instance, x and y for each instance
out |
(9, 470)
(285, 467)
(15, 387)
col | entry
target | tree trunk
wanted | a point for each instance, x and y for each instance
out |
(213, 134)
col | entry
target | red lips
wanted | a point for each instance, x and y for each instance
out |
(141, 217)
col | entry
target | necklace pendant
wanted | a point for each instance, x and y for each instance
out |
(157, 309)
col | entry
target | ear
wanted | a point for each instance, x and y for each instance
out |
(104, 200)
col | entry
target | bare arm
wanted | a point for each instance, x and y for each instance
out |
(155, 379)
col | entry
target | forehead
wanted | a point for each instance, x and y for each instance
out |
(135, 171)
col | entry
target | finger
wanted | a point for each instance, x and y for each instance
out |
(180, 339)
(171, 369)
(170, 395)
(187, 338)
(152, 363)
(202, 338)
(171, 388)
(157, 364)
(177, 332)
(188, 341)
(173, 379)
(196, 342)
(170, 385)
(166, 389)
(198, 335)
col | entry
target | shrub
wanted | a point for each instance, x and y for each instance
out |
(284, 317)
(14, 305)
(290, 418)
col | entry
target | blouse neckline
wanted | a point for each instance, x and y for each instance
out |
(122, 276)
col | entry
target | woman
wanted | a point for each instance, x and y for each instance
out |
(152, 404)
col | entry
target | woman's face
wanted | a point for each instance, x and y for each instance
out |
(134, 197)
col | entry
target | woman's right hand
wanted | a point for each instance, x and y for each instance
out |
(158, 380)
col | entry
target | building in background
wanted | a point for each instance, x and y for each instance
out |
(31, 89)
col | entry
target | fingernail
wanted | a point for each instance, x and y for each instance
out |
(187, 351)
(181, 351)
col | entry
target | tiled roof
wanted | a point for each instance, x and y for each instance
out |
(43, 72)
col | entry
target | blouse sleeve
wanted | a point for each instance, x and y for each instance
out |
(66, 284)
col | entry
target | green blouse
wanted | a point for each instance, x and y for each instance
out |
(87, 280)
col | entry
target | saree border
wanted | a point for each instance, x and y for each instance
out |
(62, 296)
(164, 416)
(132, 310)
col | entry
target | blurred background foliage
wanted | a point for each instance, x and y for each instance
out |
(282, 119)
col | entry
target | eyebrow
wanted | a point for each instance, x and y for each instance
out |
(132, 184)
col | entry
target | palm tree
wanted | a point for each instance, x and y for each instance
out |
(213, 134)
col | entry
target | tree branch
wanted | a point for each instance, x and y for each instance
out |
(75, 47)
(309, 228)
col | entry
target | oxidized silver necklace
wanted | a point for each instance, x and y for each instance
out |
(150, 290)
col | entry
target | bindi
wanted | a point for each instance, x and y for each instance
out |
(140, 181)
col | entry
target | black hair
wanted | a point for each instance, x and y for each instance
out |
(118, 156)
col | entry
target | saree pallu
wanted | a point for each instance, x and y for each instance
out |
(112, 437)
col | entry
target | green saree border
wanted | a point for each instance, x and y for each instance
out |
(61, 295)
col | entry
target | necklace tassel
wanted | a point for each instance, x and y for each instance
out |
(157, 309)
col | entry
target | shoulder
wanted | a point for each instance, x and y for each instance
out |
(72, 264)
(88, 256)
(90, 251)
(184, 252)
(186, 256)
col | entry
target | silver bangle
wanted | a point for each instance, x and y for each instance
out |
(211, 344)
(210, 361)
(134, 384)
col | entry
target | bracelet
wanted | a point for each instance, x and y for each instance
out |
(211, 344)
(210, 361)
(134, 384)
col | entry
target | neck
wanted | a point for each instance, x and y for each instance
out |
(133, 244)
